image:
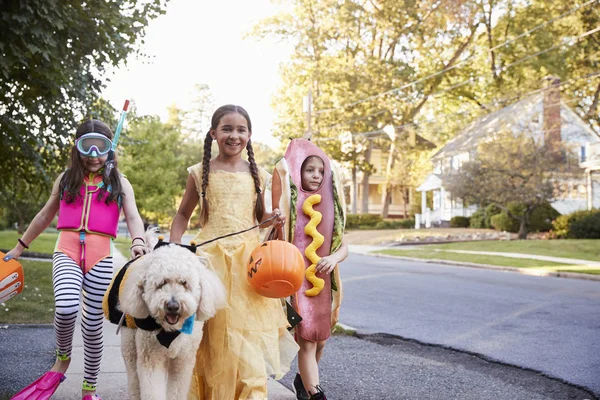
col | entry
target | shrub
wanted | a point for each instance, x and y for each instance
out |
(396, 224)
(477, 220)
(542, 217)
(587, 227)
(503, 222)
(490, 211)
(362, 221)
(459, 222)
(581, 220)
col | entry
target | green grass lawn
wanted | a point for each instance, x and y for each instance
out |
(583, 249)
(472, 258)
(42, 244)
(35, 305)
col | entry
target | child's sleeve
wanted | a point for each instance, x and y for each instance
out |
(196, 173)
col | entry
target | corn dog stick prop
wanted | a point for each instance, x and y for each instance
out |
(314, 223)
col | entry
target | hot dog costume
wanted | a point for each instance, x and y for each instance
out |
(315, 224)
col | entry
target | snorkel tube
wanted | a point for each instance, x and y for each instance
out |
(110, 163)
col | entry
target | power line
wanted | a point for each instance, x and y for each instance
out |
(527, 33)
(528, 57)
(500, 101)
(443, 117)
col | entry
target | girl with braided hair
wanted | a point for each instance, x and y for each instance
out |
(248, 340)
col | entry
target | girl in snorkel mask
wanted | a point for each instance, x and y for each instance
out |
(88, 197)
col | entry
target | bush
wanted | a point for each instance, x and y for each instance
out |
(502, 222)
(362, 221)
(576, 225)
(459, 222)
(477, 220)
(490, 211)
(542, 217)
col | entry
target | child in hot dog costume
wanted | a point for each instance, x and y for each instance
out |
(308, 190)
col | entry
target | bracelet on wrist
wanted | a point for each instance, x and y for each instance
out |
(22, 243)
(137, 245)
(138, 237)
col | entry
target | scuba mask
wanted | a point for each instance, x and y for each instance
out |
(93, 145)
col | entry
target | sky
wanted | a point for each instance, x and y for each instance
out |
(197, 42)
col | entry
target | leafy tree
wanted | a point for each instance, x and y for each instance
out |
(53, 58)
(426, 66)
(513, 169)
(153, 161)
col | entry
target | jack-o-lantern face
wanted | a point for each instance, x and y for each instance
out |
(276, 269)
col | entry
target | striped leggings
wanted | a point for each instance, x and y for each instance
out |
(69, 282)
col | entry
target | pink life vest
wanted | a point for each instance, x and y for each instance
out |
(89, 213)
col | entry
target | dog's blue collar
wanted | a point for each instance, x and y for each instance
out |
(188, 325)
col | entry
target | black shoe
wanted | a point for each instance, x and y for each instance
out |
(320, 395)
(299, 388)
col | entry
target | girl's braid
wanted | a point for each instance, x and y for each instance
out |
(205, 174)
(259, 208)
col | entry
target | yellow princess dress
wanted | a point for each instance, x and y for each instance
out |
(247, 340)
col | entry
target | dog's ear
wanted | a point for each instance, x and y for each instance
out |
(212, 293)
(132, 289)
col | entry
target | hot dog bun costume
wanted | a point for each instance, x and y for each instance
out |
(315, 223)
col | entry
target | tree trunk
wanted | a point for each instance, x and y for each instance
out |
(21, 226)
(387, 195)
(524, 226)
(354, 190)
(365, 182)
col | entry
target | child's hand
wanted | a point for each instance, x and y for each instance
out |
(14, 253)
(138, 251)
(280, 219)
(327, 264)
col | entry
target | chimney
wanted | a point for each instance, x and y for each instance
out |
(552, 112)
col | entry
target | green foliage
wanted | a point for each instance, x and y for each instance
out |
(540, 219)
(459, 222)
(374, 221)
(477, 220)
(587, 227)
(154, 159)
(502, 222)
(578, 224)
(357, 221)
(490, 211)
(54, 55)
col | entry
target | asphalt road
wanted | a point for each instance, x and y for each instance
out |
(546, 324)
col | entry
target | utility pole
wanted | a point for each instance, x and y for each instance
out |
(308, 110)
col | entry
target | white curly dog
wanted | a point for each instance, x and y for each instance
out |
(171, 284)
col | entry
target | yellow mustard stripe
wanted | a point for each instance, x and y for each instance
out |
(311, 250)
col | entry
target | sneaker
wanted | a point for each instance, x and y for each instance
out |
(320, 395)
(299, 388)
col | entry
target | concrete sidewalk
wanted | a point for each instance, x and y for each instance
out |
(112, 382)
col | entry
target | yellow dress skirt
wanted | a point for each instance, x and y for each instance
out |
(248, 340)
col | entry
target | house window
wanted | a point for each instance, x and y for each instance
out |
(455, 163)
(437, 167)
(582, 154)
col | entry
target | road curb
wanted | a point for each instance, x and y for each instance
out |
(524, 271)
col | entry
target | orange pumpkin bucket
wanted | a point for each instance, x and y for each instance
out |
(11, 278)
(276, 269)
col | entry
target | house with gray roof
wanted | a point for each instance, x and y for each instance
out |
(544, 116)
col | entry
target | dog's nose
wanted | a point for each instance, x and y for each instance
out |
(172, 306)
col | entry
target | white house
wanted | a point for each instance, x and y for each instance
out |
(545, 116)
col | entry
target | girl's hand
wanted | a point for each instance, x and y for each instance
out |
(138, 250)
(14, 253)
(327, 264)
(279, 221)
